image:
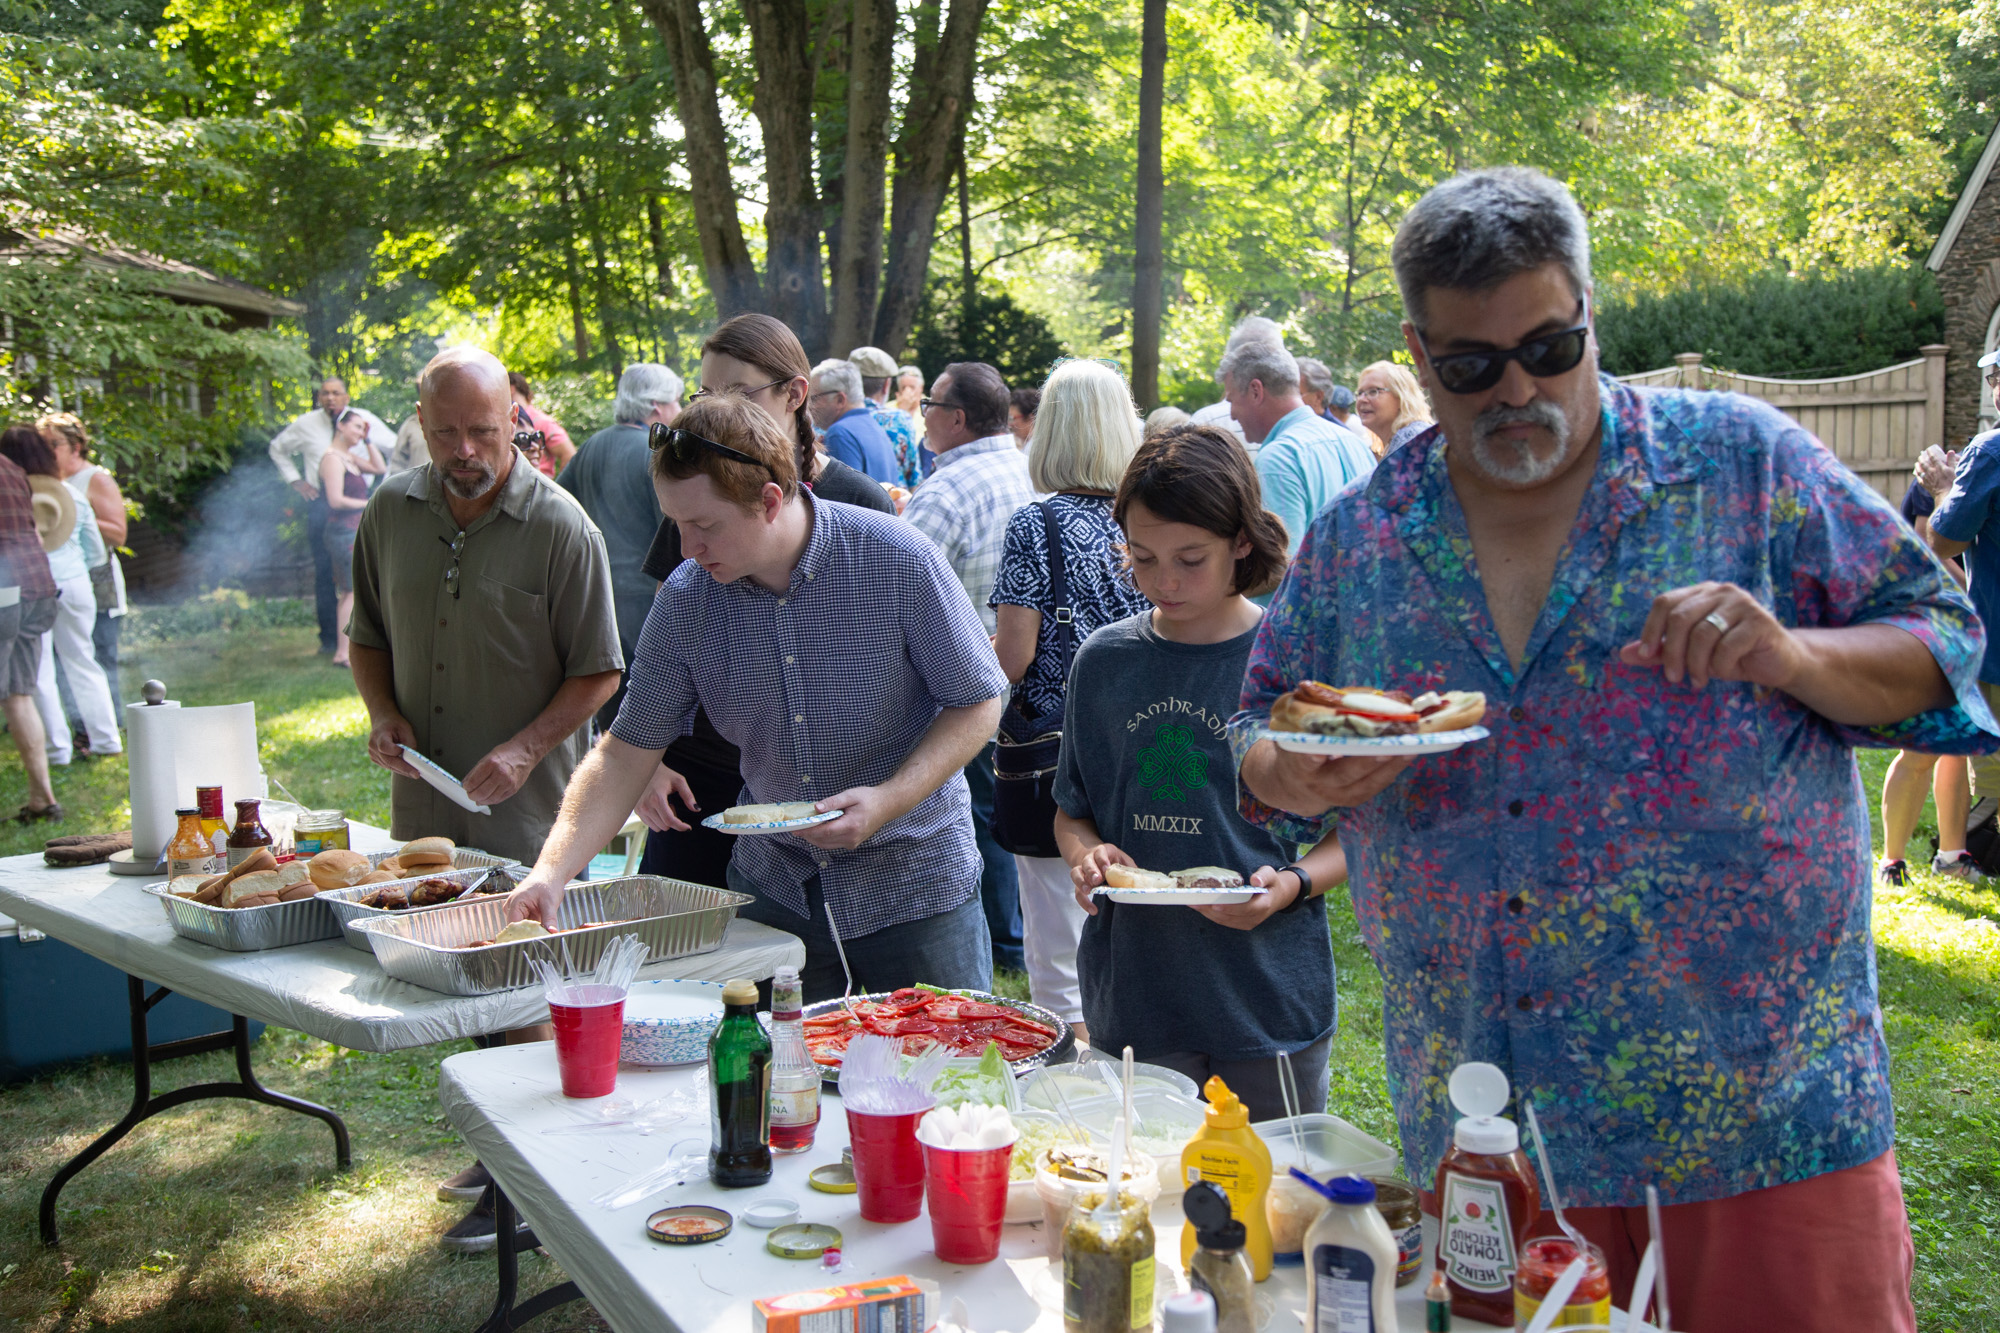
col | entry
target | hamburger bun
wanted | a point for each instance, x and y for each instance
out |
(338, 868)
(1208, 877)
(294, 873)
(260, 900)
(187, 886)
(425, 854)
(752, 814)
(520, 930)
(256, 884)
(379, 876)
(390, 866)
(1462, 708)
(305, 888)
(1131, 877)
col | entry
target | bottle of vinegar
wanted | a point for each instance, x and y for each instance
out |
(794, 1076)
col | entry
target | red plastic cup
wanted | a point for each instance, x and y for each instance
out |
(588, 1034)
(888, 1165)
(967, 1193)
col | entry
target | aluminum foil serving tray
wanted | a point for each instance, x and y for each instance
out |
(348, 909)
(1063, 1051)
(672, 917)
(247, 929)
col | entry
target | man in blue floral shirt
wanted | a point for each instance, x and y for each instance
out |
(1646, 894)
(878, 372)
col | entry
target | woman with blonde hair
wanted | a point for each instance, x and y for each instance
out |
(1391, 405)
(1064, 553)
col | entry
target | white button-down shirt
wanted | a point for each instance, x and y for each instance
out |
(308, 438)
(964, 507)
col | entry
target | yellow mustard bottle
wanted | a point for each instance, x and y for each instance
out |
(1228, 1154)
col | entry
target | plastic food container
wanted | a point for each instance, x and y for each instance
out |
(436, 949)
(1164, 1122)
(1039, 1131)
(247, 929)
(669, 1022)
(1111, 1070)
(350, 911)
(1331, 1147)
(1065, 1089)
(1142, 1178)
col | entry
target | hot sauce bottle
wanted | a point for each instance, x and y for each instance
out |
(1487, 1198)
(214, 825)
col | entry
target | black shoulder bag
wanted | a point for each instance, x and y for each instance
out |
(1029, 749)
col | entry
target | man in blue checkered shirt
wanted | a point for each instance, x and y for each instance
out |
(837, 649)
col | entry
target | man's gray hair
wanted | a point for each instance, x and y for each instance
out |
(643, 387)
(1256, 329)
(1477, 230)
(1315, 376)
(1267, 362)
(842, 375)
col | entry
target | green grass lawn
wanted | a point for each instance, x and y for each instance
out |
(232, 1217)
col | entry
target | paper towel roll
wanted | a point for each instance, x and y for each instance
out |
(173, 750)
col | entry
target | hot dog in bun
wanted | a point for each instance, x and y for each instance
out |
(1359, 710)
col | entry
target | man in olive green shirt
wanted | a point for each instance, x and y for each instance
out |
(483, 630)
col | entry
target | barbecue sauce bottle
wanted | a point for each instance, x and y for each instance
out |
(249, 836)
(1487, 1199)
(739, 1083)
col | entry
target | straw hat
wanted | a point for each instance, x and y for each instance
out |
(55, 511)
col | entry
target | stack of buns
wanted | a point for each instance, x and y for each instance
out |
(256, 881)
(425, 856)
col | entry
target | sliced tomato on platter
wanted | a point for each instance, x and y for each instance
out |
(973, 1009)
(910, 995)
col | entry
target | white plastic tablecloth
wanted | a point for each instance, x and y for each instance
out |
(326, 988)
(503, 1098)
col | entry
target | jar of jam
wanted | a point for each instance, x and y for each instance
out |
(249, 836)
(319, 831)
(1543, 1261)
(1396, 1200)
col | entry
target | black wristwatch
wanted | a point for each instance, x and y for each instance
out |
(1305, 888)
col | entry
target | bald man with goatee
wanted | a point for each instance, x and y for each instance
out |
(483, 631)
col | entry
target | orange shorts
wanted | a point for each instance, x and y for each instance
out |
(1830, 1253)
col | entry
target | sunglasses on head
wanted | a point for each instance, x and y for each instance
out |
(1475, 372)
(684, 446)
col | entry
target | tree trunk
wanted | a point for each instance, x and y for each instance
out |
(794, 275)
(607, 307)
(578, 326)
(968, 278)
(663, 264)
(940, 94)
(857, 270)
(1148, 261)
(732, 278)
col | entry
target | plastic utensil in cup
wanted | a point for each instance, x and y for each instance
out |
(888, 1165)
(966, 1191)
(587, 1036)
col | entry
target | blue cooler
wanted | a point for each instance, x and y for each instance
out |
(59, 1006)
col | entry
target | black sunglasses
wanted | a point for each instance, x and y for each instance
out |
(1543, 357)
(530, 441)
(926, 404)
(685, 446)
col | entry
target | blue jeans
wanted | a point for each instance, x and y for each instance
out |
(950, 949)
(1000, 881)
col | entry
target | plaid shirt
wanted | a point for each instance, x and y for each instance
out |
(827, 686)
(964, 508)
(22, 561)
(1647, 903)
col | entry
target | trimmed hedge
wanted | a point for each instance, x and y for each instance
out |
(1813, 327)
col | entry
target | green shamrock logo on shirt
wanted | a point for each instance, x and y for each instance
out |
(1171, 767)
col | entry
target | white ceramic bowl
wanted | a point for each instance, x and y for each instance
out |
(669, 1022)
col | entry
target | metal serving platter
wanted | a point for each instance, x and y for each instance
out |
(348, 909)
(1061, 1052)
(434, 949)
(247, 929)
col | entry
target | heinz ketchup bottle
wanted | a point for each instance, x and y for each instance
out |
(1487, 1198)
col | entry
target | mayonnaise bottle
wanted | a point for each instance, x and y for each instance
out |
(1350, 1261)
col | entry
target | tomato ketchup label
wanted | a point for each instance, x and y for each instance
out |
(1477, 1240)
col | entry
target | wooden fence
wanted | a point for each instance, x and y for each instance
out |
(1876, 423)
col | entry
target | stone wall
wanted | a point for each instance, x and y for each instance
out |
(1970, 284)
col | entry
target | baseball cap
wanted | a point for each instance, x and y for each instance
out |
(873, 363)
(1341, 397)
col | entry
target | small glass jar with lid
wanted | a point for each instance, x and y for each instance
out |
(318, 831)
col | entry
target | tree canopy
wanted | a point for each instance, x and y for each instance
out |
(584, 183)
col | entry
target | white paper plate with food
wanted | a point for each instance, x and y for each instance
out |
(1380, 747)
(1324, 719)
(778, 817)
(1197, 886)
